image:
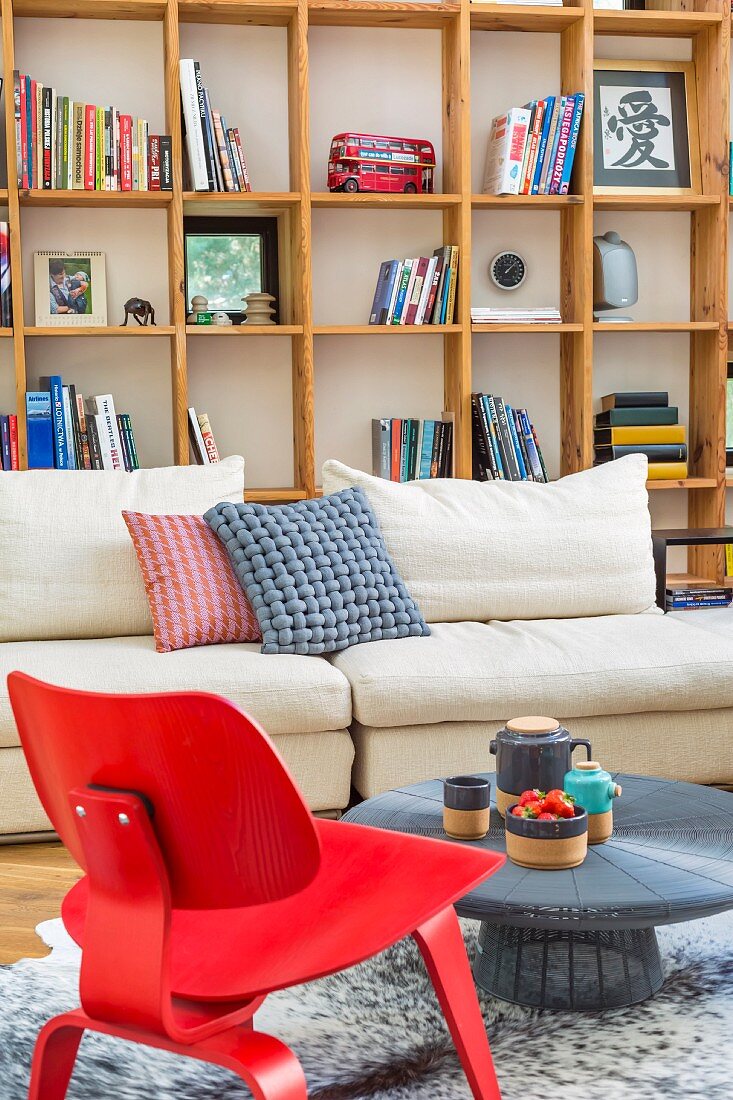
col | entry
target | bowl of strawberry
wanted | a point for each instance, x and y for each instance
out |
(546, 830)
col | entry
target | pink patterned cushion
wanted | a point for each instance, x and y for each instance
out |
(194, 595)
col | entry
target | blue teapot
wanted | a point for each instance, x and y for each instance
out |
(594, 789)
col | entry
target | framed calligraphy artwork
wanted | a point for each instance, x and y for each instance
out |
(645, 128)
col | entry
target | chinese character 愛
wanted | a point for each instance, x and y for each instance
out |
(639, 120)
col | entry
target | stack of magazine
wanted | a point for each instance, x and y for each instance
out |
(543, 315)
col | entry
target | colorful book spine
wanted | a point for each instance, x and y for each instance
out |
(546, 123)
(208, 437)
(54, 385)
(90, 146)
(573, 144)
(562, 145)
(39, 430)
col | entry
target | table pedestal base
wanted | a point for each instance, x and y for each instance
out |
(575, 971)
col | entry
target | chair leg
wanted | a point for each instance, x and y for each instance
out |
(53, 1059)
(441, 944)
(266, 1065)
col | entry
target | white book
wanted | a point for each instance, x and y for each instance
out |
(505, 153)
(395, 291)
(197, 443)
(192, 120)
(102, 407)
(410, 289)
(425, 292)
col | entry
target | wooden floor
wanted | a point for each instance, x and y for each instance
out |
(33, 880)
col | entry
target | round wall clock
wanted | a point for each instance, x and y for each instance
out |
(507, 270)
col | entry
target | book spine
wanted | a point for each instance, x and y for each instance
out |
(509, 455)
(208, 437)
(126, 462)
(408, 292)
(55, 388)
(552, 141)
(131, 441)
(435, 453)
(446, 468)
(440, 457)
(403, 449)
(396, 445)
(23, 93)
(69, 430)
(425, 292)
(203, 123)
(37, 134)
(5, 443)
(517, 424)
(381, 294)
(417, 289)
(166, 162)
(572, 144)
(242, 161)
(453, 285)
(494, 469)
(39, 431)
(77, 147)
(433, 289)
(212, 143)
(118, 152)
(90, 143)
(192, 122)
(224, 167)
(562, 145)
(125, 152)
(196, 440)
(539, 454)
(14, 452)
(426, 449)
(509, 411)
(413, 449)
(542, 148)
(101, 150)
(533, 146)
(230, 156)
(395, 291)
(534, 458)
(66, 122)
(75, 433)
(235, 158)
(46, 138)
(381, 457)
(402, 291)
(479, 454)
(154, 163)
(443, 262)
(86, 461)
(95, 446)
(489, 408)
(18, 127)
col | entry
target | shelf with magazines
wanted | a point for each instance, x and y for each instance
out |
(531, 328)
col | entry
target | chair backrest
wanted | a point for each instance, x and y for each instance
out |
(231, 823)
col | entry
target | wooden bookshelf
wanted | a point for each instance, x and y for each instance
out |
(707, 27)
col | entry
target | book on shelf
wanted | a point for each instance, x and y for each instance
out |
(214, 151)
(639, 417)
(62, 144)
(729, 559)
(65, 431)
(505, 444)
(201, 438)
(6, 293)
(531, 149)
(696, 594)
(489, 315)
(9, 442)
(644, 400)
(642, 423)
(417, 291)
(407, 449)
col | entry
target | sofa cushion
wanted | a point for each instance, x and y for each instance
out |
(317, 573)
(464, 672)
(470, 550)
(68, 566)
(286, 694)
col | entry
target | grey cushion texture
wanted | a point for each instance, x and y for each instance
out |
(317, 573)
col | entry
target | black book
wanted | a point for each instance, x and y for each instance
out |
(134, 461)
(629, 400)
(655, 452)
(436, 448)
(76, 429)
(511, 467)
(648, 414)
(126, 461)
(480, 449)
(413, 434)
(446, 464)
(95, 452)
(166, 162)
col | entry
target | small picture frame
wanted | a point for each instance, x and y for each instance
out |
(645, 128)
(70, 289)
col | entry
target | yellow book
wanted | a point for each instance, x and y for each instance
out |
(729, 560)
(646, 433)
(667, 471)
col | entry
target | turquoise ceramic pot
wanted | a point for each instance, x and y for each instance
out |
(595, 789)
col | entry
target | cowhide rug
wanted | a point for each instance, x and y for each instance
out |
(376, 1032)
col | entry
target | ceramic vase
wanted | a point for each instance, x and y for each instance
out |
(258, 308)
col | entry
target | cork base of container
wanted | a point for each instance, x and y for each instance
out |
(600, 827)
(547, 855)
(504, 800)
(466, 824)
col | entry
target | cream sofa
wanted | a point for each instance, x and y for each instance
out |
(493, 568)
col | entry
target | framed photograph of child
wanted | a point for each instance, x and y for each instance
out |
(71, 289)
(645, 128)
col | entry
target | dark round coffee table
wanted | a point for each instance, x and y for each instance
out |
(584, 939)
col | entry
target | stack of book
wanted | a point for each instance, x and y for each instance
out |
(532, 148)
(420, 291)
(6, 293)
(542, 315)
(9, 442)
(201, 438)
(65, 145)
(214, 152)
(65, 432)
(505, 444)
(694, 595)
(410, 450)
(642, 423)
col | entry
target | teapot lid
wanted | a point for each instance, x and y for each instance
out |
(533, 724)
(587, 766)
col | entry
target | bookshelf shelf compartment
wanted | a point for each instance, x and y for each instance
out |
(525, 202)
(664, 203)
(365, 200)
(657, 24)
(684, 483)
(264, 13)
(108, 330)
(244, 330)
(115, 200)
(565, 326)
(362, 13)
(386, 330)
(518, 17)
(656, 326)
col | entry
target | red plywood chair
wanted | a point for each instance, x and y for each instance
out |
(209, 884)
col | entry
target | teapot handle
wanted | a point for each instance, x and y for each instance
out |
(492, 748)
(581, 741)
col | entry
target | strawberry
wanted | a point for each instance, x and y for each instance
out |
(557, 802)
(532, 809)
(547, 817)
(531, 796)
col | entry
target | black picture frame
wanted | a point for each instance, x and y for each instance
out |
(266, 228)
(677, 79)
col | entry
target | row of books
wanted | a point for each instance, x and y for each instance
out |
(505, 444)
(412, 450)
(67, 432)
(65, 145)
(532, 148)
(542, 315)
(420, 291)
(6, 291)
(642, 423)
(214, 154)
(201, 438)
(696, 595)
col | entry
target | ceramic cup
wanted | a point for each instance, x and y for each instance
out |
(466, 807)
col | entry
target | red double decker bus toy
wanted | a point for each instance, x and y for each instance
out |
(373, 162)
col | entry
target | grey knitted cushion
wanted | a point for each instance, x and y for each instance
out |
(317, 573)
